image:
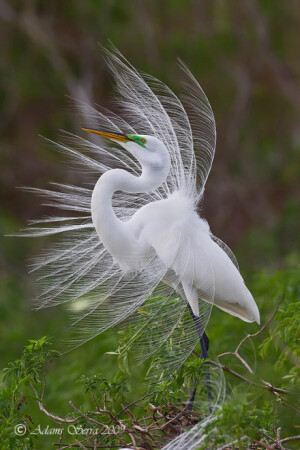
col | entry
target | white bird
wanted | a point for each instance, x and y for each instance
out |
(171, 228)
(137, 246)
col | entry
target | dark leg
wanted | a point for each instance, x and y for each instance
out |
(204, 343)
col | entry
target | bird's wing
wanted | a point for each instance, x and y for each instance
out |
(226, 249)
(179, 243)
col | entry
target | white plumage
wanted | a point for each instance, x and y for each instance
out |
(171, 227)
(136, 243)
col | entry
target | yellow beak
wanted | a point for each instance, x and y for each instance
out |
(109, 135)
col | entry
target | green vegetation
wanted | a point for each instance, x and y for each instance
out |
(261, 406)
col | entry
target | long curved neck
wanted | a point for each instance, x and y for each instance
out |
(112, 231)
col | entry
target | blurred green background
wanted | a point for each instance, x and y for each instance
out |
(245, 54)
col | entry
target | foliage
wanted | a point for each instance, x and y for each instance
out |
(260, 407)
(28, 368)
(18, 375)
(113, 389)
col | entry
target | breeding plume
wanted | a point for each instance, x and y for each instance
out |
(132, 244)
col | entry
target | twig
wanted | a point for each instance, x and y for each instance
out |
(95, 401)
(266, 385)
(44, 385)
(264, 434)
(261, 330)
(278, 440)
(273, 389)
(43, 409)
(80, 444)
(87, 446)
(89, 419)
(286, 402)
(235, 374)
(129, 406)
(292, 438)
(262, 444)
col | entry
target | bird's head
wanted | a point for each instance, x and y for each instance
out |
(148, 150)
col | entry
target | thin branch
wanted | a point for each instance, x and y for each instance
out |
(264, 434)
(89, 419)
(273, 389)
(292, 438)
(95, 401)
(44, 385)
(262, 444)
(63, 446)
(266, 385)
(130, 405)
(43, 409)
(80, 444)
(261, 330)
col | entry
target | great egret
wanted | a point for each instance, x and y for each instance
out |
(137, 234)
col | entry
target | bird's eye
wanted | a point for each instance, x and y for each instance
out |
(143, 140)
